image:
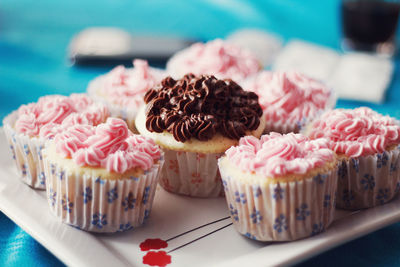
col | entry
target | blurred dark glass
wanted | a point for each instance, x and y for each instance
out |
(370, 25)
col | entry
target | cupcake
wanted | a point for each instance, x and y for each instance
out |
(289, 99)
(101, 178)
(218, 58)
(367, 145)
(280, 188)
(122, 89)
(194, 120)
(31, 126)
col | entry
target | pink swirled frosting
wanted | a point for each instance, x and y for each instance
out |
(109, 145)
(219, 58)
(51, 114)
(276, 155)
(288, 97)
(126, 87)
(356, 132)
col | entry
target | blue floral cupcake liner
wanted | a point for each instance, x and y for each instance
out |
(368, 181)
(281, 211)
(96, 204)
(192, 174)
(27, 154)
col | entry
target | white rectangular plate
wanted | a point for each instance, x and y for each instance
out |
(171, 216)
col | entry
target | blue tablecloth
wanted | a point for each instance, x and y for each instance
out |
(33, 41)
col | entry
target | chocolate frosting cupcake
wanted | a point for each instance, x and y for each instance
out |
(200, 107)
(195, 120)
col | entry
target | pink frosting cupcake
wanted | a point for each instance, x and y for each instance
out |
(367, 143)
(281, 187)
(218, 58)
(101, 178)
(122, 89)
(28, 128)
(289, 99)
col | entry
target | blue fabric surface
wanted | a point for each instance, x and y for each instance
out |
(33, 41)
(17, 248)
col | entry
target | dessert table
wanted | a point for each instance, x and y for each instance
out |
(34, 38)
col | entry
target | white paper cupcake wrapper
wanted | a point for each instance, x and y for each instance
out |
(192, 174)
(281, 211)
(27, 154)
(100, 205)
(124, 113)
(368, 181)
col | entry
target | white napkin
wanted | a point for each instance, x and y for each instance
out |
(357, 76)
(362, 76)
(313, 60)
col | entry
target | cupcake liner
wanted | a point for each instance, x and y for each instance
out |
(27, 154)
(368, 181)
(192, 174)
(282, 211)
(94, 204)
(125, 113)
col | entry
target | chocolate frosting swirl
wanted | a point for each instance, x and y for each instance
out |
(200, 107)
